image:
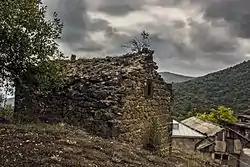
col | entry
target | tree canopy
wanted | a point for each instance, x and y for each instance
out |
(220, 115)
(27, 39)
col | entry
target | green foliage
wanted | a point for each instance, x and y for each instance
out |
(152, 141)
(138, 44)
(28, 40)
(188, 111)
(52, 75)
(188, 107)
(219, 115)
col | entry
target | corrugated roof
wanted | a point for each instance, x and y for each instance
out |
(202, 126)
(185, 131)
(244, 116)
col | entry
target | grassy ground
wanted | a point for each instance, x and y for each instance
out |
(36, 145)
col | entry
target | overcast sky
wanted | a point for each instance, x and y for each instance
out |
(191, 37)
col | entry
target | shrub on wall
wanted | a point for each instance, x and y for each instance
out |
(152, 140)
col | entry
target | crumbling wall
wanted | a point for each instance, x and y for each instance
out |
(106, 96)
(91, 97)
(148, 99)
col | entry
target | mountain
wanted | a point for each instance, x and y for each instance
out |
(229, 87)
(176, 78)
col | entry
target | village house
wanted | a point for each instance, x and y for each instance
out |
(184, 137)
(223, 145)
(245, 158)
(244, 119)
(241, 129)
(242, 126)
(114, 97)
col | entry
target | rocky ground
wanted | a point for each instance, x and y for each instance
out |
(63, 146)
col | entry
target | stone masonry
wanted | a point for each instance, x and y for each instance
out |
(114, 97)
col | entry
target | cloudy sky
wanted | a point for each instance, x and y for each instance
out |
(191, 37)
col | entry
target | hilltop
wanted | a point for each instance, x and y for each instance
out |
(229, 87)
(176, 78)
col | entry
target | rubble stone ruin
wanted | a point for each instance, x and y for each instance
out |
(114, 97)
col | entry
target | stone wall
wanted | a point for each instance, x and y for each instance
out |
(141, 107)
(112, 97)
(186, 144)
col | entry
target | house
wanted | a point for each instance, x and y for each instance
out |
(185, 137)
(242, 129)
(222, 144)
(244, 118)
(242, 126)
(114, 97)
(245, 158)
(207, 128)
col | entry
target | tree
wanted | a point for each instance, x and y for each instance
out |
(220, 115)
(138, 45)
(28, 41)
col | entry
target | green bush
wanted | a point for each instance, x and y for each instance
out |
(220, 115)
(152, 140)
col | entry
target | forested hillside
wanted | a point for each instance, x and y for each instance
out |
(229, 87)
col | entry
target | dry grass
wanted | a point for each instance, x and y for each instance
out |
(65, 146)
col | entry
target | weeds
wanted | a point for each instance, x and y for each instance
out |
(152, 140)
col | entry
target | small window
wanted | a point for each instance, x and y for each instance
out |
(149, 88)
(217, 156)
(225, 157)
(219, 136)
(176, 126)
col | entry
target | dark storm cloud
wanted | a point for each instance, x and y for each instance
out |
(118, 10)
(73, 15)
(178, 24)
(208, 40)
(209, 49)
(120, 7)
(173, 48)
(236, 12)
(77, 24)
(212, 44)
(90, 46)
(98, 25)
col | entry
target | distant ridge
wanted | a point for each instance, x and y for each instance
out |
(175, 78)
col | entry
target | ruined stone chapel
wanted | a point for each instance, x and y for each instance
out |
(113, 97)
